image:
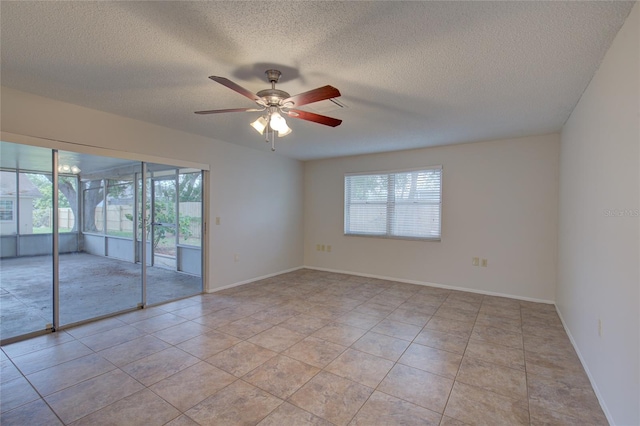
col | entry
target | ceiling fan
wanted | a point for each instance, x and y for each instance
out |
(275, 103)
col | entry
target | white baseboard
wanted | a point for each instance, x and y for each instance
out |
(430, 284)
(381, 277)
(253, 279)
(603, 405)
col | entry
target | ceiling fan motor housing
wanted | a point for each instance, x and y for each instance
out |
(273, 96)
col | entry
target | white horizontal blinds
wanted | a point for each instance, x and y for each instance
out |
(366, 204)
(404, 204)
(417, 204)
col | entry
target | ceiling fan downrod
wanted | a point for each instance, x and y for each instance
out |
(273, 76)
(273, 96)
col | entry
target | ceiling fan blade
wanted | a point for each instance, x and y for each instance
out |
(218, 111)
(235, 87)
(315, 95)
(316, 118)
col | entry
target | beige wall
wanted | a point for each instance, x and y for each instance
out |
(599, 228)
(257, 195)
(500, 201)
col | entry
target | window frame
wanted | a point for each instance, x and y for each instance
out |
(5, 210)
(390, 204)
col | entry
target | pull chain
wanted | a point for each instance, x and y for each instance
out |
(266, 131)
(273, 133)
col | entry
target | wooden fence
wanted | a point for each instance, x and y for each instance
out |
(118, 218)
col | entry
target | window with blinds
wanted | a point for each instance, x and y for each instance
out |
(6, 210)
(401, 204)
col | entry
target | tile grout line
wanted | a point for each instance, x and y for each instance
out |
(385, 376)
(458, 371)
(526, 373)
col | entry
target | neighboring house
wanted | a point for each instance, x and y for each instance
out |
(8, 207)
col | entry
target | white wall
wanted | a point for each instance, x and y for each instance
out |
(500, 201)
(599, 255)
(257, 195)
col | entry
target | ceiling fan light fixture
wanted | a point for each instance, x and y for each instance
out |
(277, 122)
(260, 124)
(284, 130)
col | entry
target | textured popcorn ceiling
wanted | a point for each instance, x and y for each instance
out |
(412, 74)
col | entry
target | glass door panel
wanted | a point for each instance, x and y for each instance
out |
(167, 276)
(98, 272)
(26, 240)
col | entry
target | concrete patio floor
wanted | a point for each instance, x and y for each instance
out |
(90, 286)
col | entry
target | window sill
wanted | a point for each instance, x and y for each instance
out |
(393, 237)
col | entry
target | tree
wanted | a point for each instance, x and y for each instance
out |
(165, 212)
(189, 189)
(93, 196)
(67, 197)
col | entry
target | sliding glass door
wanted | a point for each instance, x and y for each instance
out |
(74, 229)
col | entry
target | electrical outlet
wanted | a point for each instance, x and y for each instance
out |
(475, 261)
(328, 249)
(484, 263)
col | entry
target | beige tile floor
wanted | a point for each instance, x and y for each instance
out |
(306, 348)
